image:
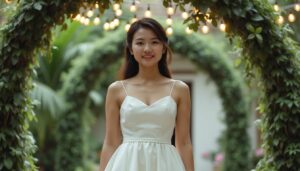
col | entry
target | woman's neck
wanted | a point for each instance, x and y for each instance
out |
(149, 74)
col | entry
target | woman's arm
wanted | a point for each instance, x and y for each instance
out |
(112, 124)
(182, 129)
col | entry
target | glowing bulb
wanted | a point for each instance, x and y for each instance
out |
(188, 30)
(82, 19)
(106, 26)
(169, 20)
(205, 29)
(222, 27)
(276, 7)
(96, 5)
(291, 17)
(90, 13)
(169, 30)
(127, 27)
(77, 18)
(116, 21)
(170, 10)
(97, 21)
(133, 7)
(148, 12)
(112, 25)
(184, 15)
(118, 12)
(86, 21)
(297, 7)
(8, 1)
(207, 17)
(134, 19)
(116, 6)
(280, 20)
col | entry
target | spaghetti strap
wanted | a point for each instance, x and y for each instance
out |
(172, 87)
(124, 88)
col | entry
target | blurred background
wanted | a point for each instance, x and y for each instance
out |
(87, 32)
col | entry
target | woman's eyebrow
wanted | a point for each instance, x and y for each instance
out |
(154, 38)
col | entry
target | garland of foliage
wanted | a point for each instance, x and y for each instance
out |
(81, 79)
(267, 46)
(207, 56)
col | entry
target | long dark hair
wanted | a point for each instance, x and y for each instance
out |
(130, 67)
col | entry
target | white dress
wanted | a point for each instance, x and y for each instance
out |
(147, 131)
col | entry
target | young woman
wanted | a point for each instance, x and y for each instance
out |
(143, 108)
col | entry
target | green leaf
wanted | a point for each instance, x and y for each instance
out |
(257, 17)
(8, 163)
(37, 6)
(258, 30)
(251, 36)
(259, 38)
(250, 27)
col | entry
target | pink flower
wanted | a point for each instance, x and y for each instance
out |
(259, 152)
(219, 157)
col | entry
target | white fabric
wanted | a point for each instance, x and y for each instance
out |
(147, 131)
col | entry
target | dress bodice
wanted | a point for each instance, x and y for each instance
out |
(153, 122)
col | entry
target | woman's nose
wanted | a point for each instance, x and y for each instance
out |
(147, 47)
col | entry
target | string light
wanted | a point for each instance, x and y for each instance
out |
(188, 30)
(184, 15)
(205, 29)
(8, 1)
(276, 7)
(169, 20)
(97, 5)
(116, 21)
(169, 30)
(82, 19)
(280, 20)
(106, 25)
(77, 18)
(118, 12)
(127, 26)
(148, 12)
(97, 20)
(170, 10)
(133, 7)
(90, 13)
(112, 25)
(116, 6)
(297, 7)
(291, 17)
(207, 17)
(222, 26)
(134, 19)
(86, 21)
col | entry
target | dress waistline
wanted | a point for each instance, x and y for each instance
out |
(146, 140)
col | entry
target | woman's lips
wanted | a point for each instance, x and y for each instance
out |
(148, 56)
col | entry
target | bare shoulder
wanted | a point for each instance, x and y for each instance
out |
(181, 87)
(115, 88)
(181, 90)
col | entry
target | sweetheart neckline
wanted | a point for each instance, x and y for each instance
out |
(153, 103)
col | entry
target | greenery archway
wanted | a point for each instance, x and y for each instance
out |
(266, 45)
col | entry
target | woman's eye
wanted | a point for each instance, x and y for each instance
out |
(139, 43)
(155, 42)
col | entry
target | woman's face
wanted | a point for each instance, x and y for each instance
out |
(147, 49)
